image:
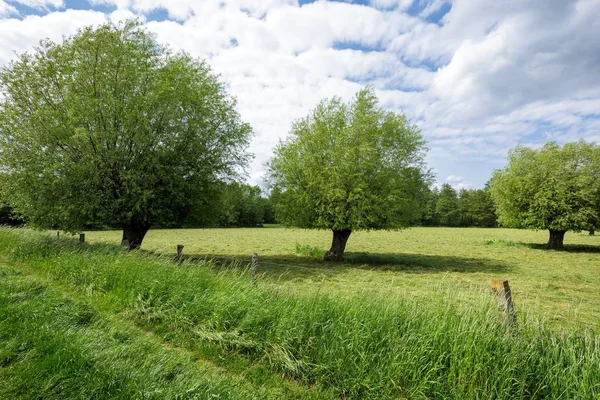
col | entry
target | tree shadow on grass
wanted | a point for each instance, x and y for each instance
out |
(309, 263)
(289, 267)
(568, 248)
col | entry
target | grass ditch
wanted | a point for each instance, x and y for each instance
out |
(359, 347)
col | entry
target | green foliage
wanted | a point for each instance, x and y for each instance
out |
(111, 128)
(446, 207)
(502, 242)
(349, 167)
(429, 216)
(468, 207)
(476, 208)
(309, 251)
(8, 217)
(326, 344)
(241, 205)
(269, 212)
(555, 188)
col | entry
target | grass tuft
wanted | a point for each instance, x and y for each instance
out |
(309, 251)
(503, 243)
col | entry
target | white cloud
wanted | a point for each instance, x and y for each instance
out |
(432, 7)
(6, 9)
(121, 15)
(489, 75)
(545, 53)
(40, 4)
(458, 182)
(391, 4)
(21, 35)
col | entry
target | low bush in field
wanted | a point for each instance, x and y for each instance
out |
(359, 347)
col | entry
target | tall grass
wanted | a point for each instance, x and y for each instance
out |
(358, 347)
(52, 347)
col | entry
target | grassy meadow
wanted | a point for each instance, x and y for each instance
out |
(408, 316)
(564, 286)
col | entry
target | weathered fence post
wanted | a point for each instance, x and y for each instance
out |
(179, 250)
(81, 237)
(502, 290)
(254, 266)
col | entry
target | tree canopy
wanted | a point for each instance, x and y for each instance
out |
(349, 166)
(555, 188)
(109, 127)
(241, 205)
(446, 207)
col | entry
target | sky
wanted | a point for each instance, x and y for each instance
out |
(477, 76)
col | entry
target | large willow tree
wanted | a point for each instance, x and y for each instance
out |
(554, 188)
(109, 127)
(349, 167)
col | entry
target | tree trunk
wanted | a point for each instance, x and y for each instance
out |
(338, 245)
(124, 240)
(135, 235)
(592, 232)
(556, 239)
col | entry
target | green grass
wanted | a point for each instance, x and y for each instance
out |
(83, 321)
(563, 286)
(52, 346)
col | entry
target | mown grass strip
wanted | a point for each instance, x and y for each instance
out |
(359, 348)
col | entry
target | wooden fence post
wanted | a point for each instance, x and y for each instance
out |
(81, 237)
(179, 250)
(504, 295)
(254, 266)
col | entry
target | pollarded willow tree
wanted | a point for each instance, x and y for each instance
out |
(109, 127)
(349, 167)
(554, 188)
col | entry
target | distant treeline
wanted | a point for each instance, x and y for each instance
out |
(243, 205)
(467, 207)
(234, 205)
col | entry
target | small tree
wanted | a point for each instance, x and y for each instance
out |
(447, 206)
(349, 167)
(555, 188)
(111, 128)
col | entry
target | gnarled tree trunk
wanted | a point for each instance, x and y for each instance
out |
(135, 233)
(556, 239)
(338, 245)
